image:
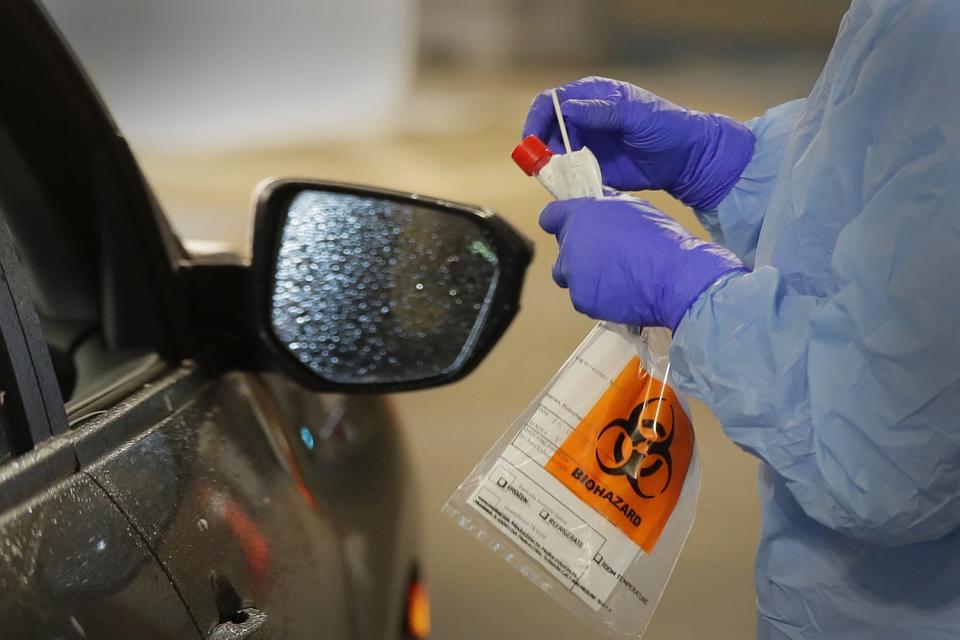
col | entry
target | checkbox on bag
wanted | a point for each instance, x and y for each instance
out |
(598, 558)
(502, 482)
(544, 514)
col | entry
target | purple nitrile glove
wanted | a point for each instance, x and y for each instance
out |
(645, 142)
(626, 261)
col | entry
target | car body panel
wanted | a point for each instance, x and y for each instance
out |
(215, 499)
(358, 466)
(72, 566)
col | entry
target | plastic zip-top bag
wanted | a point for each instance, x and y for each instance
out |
(593, 489)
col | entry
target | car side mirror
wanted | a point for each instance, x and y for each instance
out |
(360, 289)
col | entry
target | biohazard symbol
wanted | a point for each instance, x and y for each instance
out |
(638, 447)
(628, 457)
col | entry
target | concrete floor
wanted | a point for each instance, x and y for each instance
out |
(453, 141)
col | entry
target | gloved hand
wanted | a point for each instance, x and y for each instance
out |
(645, 142)
(626, 261)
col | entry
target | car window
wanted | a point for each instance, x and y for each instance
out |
(64, 284)
(62, 288)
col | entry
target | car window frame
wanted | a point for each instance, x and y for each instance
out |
(33, 408)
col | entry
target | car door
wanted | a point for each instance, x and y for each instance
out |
(71, 564)
(172, 512)
(175, 461)
(252, 554)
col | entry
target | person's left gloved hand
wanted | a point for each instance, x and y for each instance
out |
(642, 141)
(626, 261)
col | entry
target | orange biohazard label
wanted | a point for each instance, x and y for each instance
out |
(629, 456)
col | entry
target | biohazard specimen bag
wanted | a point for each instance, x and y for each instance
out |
(592, 490)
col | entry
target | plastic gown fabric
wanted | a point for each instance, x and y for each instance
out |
(837, 361)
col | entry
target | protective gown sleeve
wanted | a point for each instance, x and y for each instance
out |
(735, 223)
(853, 396)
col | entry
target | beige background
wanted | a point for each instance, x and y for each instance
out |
(454, 142)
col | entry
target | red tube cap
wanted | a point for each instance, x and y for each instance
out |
(531, 155)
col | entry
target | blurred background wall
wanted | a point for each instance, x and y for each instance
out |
(504, 33)
(216, 95)
(191, 74)
(221, 74)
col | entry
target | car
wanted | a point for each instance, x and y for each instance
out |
(197, 445)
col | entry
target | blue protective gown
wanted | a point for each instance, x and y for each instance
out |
(837, 361)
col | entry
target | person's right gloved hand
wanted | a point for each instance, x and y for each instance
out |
(645, 142)
(625, 261)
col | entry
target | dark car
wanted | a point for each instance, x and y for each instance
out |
(188, 444)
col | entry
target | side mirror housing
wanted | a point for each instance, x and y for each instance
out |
(355, 289)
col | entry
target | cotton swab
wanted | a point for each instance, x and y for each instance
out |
(563, 126)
